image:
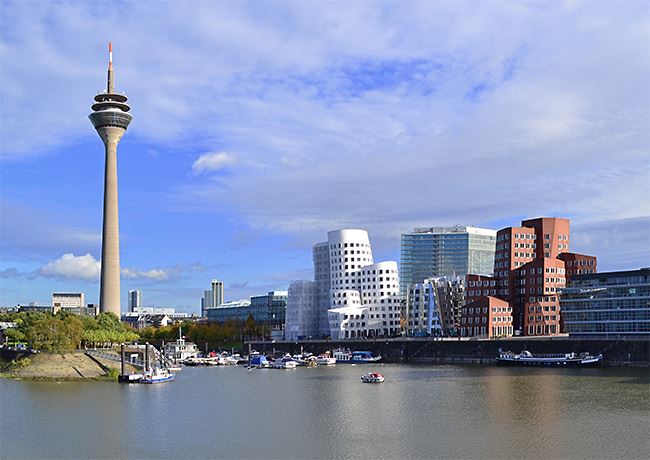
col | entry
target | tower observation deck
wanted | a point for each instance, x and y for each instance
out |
(110, 118)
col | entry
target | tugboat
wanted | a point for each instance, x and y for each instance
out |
(372, 377)
(526, 358)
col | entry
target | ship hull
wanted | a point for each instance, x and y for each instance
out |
(541, 362)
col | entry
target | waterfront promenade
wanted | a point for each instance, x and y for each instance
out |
(628, 352)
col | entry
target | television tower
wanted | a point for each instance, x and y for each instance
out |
(110, 118)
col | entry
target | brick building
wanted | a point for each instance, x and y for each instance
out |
(531, 263)
(487, 317)
(478, 286)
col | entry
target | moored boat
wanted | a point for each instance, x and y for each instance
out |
(372, 377)
(157, 375)
(526, 358)
(259, 361)
(355, 357)
(285, 363)
(325, 359)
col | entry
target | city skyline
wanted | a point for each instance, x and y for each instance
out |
(263, 131)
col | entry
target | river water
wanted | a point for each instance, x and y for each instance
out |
(326, 412)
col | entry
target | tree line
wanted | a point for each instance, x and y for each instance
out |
(229, 334)
(66, 331)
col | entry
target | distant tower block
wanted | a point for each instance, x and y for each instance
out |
(110, 118)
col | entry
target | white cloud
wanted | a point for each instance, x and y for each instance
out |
(156, 274)
(213, 162)
(84, 267)
(370, 115)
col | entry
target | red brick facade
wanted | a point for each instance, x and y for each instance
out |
(487, 317)
(531, 263)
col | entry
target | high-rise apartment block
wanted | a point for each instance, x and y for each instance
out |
(529, 271)
(135, 299)
(212, 297)
(445, 251)
(350, 297)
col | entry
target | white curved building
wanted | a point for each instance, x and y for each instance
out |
(364, 296)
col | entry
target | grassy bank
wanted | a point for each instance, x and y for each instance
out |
(72, 367)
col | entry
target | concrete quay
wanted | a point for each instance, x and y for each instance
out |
(616, 352)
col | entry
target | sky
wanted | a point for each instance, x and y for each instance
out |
(259, 126)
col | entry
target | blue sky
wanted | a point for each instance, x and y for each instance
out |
(258, 126)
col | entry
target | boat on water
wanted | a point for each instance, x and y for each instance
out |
(130, 378)
(157, 375)
(356, 357)
(325, 359)
(526, 358)
(259, 361)
(180, 350)
(285, 363)
(372, 377)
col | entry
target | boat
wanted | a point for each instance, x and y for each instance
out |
(180, 350)
(325, 359)
(356, 357)
(130, 378)
(157, 375)
(372, 377)
(259, 361)
(526, 358)
(285, 363)
(304, 359)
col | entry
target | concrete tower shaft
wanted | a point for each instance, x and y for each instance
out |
(110, 118)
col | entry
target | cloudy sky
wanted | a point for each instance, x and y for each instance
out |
(258, 126)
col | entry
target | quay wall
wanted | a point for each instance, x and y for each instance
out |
(616, 353)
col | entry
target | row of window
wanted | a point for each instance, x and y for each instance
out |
(533, 308)
(542, 329)
(351, 245)
(539, 318)
(480, 283)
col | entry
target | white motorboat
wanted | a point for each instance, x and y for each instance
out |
(284, 363)
(325, 359)
(372, 377)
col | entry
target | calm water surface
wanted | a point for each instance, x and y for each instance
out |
(326, 412)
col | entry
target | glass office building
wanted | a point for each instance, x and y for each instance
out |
(268, 309)
(445, 251)
(607, 304)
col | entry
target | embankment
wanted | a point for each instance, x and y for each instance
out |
(59, 366)
(634, 353)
